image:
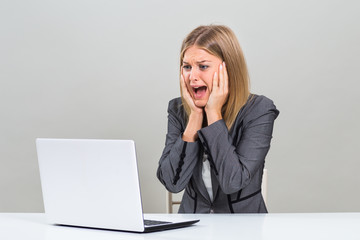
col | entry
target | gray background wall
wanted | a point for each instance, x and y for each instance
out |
(107, 69)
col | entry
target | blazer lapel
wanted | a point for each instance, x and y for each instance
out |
(215, 185)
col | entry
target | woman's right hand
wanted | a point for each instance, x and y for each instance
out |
(187, 96)
(196, 115)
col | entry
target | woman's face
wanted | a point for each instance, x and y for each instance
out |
(198, 68)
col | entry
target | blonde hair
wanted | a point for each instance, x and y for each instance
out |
(221, 42)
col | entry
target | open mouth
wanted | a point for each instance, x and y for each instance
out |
(199, 92)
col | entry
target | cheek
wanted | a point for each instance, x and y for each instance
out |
(186, 76)
(209, 80)
(187, 80)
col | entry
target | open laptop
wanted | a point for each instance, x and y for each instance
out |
(94, 183)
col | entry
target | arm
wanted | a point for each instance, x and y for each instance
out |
(236, 164)
(179, 157)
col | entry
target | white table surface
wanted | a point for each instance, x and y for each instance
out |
(339, 226)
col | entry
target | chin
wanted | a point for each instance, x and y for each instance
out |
(200, 103)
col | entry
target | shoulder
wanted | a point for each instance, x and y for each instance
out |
(260, 102)
(176, 109)
(175, 106)
(257, 106)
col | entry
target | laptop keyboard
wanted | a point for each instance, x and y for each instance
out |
(154, 222)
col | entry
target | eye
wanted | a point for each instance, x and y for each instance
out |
(203, 67)
(187, 67)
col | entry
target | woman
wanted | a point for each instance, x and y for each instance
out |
(218, 133)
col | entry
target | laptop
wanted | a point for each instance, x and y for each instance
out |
(95, 184)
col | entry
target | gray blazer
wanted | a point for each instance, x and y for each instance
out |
(236, 157)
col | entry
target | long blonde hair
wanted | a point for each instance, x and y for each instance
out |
(221, 42)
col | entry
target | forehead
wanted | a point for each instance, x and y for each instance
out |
(197, 54)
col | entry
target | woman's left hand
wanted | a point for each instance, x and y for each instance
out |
(218, 96)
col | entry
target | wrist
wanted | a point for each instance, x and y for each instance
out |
(213, 116)
(197, 115)
(194, 124)
(197, 111)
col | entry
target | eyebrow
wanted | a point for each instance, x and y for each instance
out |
(198, 61)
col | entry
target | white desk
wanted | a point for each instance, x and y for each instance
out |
(327, 226)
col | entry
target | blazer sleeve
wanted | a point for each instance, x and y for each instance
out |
(234, 165)
(179, 158)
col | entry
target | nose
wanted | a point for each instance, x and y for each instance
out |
(194, 75)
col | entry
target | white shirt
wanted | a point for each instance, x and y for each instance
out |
(206, 176)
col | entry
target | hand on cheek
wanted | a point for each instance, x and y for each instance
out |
(196, 115)
(187, 96)
(218, 95)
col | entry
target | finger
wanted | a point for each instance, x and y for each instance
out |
(182, 81)
(183, 86)
(221, 76)
(226, 79)
(215, 81)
